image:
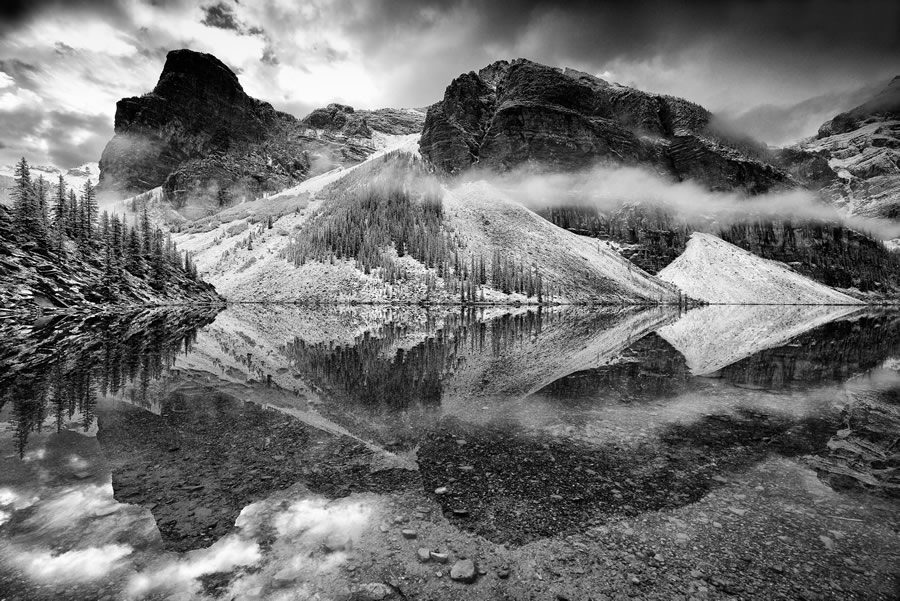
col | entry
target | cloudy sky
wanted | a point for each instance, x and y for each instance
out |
(64, 63)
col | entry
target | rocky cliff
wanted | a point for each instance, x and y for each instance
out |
(206, 142)
(510, 114)
(862, 149)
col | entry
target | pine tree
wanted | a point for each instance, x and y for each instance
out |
(73, 217)
(134, 253)
(26, 205)
(59, 215)
(89, 210)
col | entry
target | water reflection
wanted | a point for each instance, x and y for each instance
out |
(170, 453)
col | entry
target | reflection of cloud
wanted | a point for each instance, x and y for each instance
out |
(181, 574)
(80, 565)
(315, 519)
(72, 505)
(15, 500)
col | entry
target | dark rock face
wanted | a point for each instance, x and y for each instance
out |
(509, 114)
(205, 141)
(198, 111)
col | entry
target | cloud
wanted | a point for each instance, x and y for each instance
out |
(609, 189)
(781, 125)
(81, 56)
(181, 574)
(221, 16)
(80, 565)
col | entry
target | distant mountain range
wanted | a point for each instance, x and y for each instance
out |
(331, 207)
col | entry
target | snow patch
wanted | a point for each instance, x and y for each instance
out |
(717, 272)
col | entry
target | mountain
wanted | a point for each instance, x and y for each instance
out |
(201, 138)
(717, 272)
(74, 177)
(862, 147)
(517, 113)
(523, 114)
(386, 230)
(783, 125)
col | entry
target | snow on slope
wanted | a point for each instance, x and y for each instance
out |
(717, 272)
(714, 337)
(480, 214)
(583, 268)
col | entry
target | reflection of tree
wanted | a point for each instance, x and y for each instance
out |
(91, 357)
(372, 373)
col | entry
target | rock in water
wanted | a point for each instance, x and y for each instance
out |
(464, 571)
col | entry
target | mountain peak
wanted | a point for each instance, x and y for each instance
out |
(188, 70)
(885, 104)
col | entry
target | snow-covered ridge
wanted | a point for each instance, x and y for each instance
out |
(717, 272)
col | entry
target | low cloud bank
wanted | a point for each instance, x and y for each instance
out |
(609, 189)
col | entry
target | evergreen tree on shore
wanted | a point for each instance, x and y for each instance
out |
(57, 220)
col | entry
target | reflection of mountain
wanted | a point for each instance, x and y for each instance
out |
(833, 352)
(517, 365)
(713, 337)
(650, 369)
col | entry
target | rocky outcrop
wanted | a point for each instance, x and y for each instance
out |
(862, 150)
(509, 114)
(198, 131)
(201, 138)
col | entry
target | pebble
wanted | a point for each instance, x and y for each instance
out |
(503, 574)
(440, 557)
(409, 533)
(423, 554)
(442, 490)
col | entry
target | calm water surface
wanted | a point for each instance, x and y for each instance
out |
(276, 452)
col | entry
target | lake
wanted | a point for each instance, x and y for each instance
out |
(368, 452)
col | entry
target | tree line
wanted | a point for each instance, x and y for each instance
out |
(68, 226)
(385, 219)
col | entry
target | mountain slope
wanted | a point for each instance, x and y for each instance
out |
(715, 271)
(479, 225)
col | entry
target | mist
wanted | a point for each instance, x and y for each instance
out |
(611, 188)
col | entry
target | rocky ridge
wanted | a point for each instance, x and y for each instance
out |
(201, 137)
(862, 149)
(517, 113)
